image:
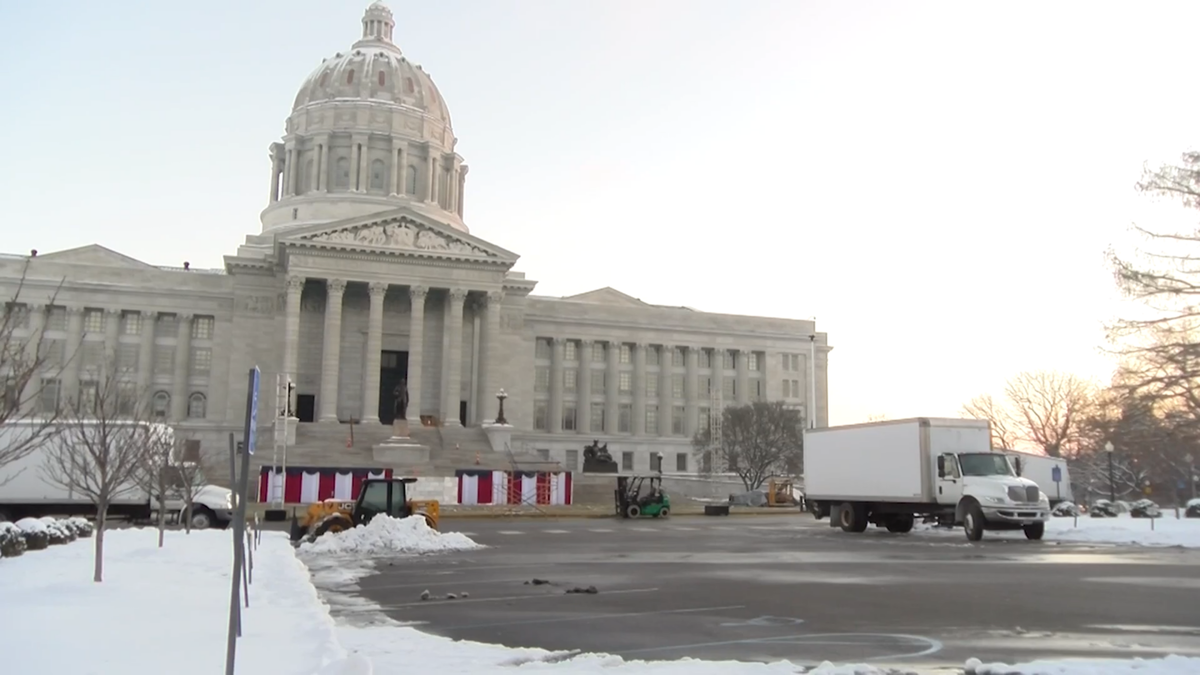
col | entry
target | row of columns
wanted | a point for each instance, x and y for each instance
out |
(451, 366)
(666, 397)
(71, 373)
(286, 171)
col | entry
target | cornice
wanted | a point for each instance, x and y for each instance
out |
(365, 253)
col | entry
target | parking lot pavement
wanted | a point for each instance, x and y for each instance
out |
(783, 588)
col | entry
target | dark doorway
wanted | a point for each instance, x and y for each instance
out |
(393, 367)
(306, 405)
(462, 413)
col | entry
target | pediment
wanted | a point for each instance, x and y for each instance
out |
(402, 234)
(607, 296)
(94, 254)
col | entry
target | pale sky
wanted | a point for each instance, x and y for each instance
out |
(935, 182)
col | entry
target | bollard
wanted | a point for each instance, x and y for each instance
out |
(1152, 519)
(1076, 520)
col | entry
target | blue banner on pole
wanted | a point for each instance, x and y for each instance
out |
(1056, 474)
(255, 378)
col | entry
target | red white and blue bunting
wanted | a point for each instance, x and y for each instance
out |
(311, 484)
(477, 486)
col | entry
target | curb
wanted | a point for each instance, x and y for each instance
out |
(446, 515)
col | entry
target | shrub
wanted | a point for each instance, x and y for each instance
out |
(12, 541)
(58, 530)
(82, 527)
(37, 536)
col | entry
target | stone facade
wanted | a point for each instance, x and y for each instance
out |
(365, 272)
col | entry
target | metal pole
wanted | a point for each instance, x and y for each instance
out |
(812, 378)
(1112, 484)
(239, 524)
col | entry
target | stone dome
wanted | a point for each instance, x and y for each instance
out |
(375, 70)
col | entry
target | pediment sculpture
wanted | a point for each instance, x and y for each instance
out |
(401, 235)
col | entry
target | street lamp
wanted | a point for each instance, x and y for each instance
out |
(1191, 472)
(1112, 485)
(500, 396)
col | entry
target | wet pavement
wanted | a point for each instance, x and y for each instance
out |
(788, 587)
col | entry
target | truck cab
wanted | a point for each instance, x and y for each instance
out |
(988, 495)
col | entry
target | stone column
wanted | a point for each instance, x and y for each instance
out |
(452, 188)
(112, 328)
(73, 355)
(183, 348)
(315, 172)
(612, 408)
(666, 398)
(639, 389)
(743, 377)
(288, 170)
(331, 353)
(691, 414)
(370, 413)
(452, 359)
(291, 333)
(323, 174)
(394, 160)
(557, 346)
(430, 174)
(462, 187)
(364, 174)
(145, 374)
(490, 375)
(583, 388)
(274, 177)
(416, 348)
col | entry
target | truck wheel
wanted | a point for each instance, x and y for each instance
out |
(1035, 531)
(900, 524)
(852, 518)
(973, 522)
(633, 511)
(202, 519)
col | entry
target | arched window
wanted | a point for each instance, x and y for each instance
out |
(378, 175)
(408, 85)
(350, 77)
(382, 80)
(197, 406)
(341, 174)
(160, 405)
(410, 180)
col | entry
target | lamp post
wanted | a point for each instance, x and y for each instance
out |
(1191, 472)
(1112, 485)
(500, 396)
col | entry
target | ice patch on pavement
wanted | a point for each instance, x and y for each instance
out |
(385, 534)
(1170, 665)
(1123, 530)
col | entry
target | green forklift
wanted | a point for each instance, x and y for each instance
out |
(641, 496)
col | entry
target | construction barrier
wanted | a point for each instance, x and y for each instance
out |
(477, 486)
(310, 484)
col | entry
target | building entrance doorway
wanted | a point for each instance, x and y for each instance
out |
(393, 367)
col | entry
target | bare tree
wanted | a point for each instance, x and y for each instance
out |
(190, 470)
(1050, 407)
(158, 451)
(26, 421)
(984, 407)
(101, 449)
(757, 440)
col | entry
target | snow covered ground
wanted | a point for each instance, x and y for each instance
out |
(1166, 531)
(165, 610)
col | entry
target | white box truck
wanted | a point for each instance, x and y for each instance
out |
(888, 473)
(25, 491)
(1041, 469)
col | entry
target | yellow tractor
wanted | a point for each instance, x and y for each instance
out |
(378, 496)
(780, 492)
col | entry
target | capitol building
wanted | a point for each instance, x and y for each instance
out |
(364, 275)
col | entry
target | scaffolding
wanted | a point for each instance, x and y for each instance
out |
(716, 418)
(283, 409)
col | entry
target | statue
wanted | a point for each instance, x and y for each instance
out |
(597, 459)
(400, 400)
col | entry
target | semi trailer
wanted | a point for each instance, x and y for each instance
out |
(889, 473)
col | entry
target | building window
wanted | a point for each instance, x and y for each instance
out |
(197, 406)
(127, 357)
(56, 352)
(569, 377)
(702, 422)
(408, 85)
(350, 77)
(541, 380)
(93, 321)
(677, 357)
(703, 359)
(651, 419)
(92, 353)
(752, 361)
(677, 420)
(201, 360)
(164, 359)
(410, 180)
(382, 78)
(572, 460)
(131, 323)
(677, 386)
(50, 395)
(681, 462)
(758, 389)
(542, 349)
(626, 354)
(626, 381)
(57, 319)
(598, 352)
(627, 461)
(202, 327)
(126, 398)
(570, 351)
(539, 417)
(378, 175)
(597, 417)
(625, 418)
(598, 382)
(729, 390)
(652, 387)
(17, 314)
(568, 419)
(787, 361)
(729, 360)
(651, 355)
(160, 405)
(341, 173)
(165, 326)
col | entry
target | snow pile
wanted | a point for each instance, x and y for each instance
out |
(12, 540)
(385, 534)
(160, 610)
(1167, 531)
(1171, 665)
